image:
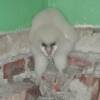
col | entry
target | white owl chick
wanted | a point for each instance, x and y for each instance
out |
(51, 36)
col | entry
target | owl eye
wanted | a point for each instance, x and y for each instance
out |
(44, 45)
(53, 44)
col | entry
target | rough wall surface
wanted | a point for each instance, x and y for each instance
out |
(13, 44)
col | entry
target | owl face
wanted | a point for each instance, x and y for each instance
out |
(48, 49)
(48, 40)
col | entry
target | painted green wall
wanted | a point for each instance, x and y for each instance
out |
(79, 11)
(17, 14)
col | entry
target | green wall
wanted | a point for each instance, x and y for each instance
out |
(79, 11)
(17, 14)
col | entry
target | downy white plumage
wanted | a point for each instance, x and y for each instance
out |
(51, 36)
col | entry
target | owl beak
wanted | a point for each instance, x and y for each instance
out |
(49, 50)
